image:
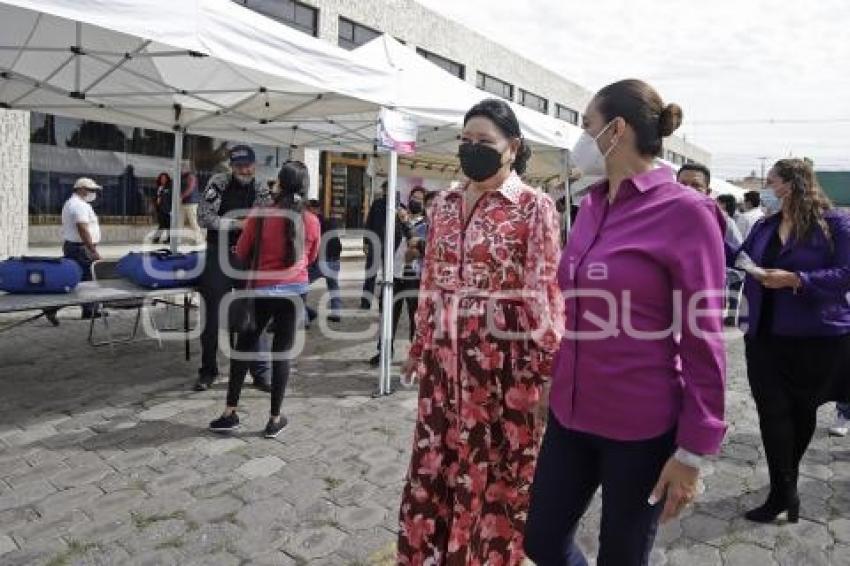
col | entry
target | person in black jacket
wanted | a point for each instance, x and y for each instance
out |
(327, 265)
(376, 223)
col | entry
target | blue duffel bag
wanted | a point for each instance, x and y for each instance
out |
(161, 269)
(29, 274)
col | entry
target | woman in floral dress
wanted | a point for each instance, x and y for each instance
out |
(488, 323)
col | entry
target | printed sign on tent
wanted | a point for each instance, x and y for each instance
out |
(397, 132)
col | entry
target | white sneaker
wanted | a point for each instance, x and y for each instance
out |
(841, 426)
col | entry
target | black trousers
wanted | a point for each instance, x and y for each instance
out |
(374, 259)
(405, 293)
(285, 317)
(789, 379)
(80, 254)
(570, 468)
(214, 284)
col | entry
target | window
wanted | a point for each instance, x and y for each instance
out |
(495, 86)
(566, 114)
(454, 68)
(294, 14)
(533, 101)
(352, 35)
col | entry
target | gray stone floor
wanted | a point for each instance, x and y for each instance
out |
(105, 459)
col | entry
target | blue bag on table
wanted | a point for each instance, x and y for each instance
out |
(161, 269)
(30, 275)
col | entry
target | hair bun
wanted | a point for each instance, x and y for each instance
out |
(670, 120)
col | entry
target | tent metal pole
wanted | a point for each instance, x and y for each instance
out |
(385, 383)
(568, 199)
(176, 207)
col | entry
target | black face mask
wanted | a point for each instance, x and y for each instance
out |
(415, 207)
(478, 161)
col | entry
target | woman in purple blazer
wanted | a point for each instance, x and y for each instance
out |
(797, 330)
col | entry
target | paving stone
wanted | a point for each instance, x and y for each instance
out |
(266, 513)
(746, 555)
(209, 510)
(26, 494)
(173, 481)
(68, 500)
(260, 467)
(115, 502)
(218, 559)
(365, 517)
(50, 527)
(155, 535)
(840, 529)
(695, 555)
(81, 476)
(12, 519)
(7, 544)
(310, 544)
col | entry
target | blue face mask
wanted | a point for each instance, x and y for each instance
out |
(770, 201)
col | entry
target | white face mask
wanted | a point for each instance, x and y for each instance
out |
(769, 201)
(587, 156)
(90, 197)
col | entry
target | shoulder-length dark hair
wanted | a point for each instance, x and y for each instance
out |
(807, 202)
(294, 181)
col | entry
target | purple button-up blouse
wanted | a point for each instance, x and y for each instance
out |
(626, 369)
(820, 306)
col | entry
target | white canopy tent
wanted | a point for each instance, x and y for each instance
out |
(439, 100)
(211, 67)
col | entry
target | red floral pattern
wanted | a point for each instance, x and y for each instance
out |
(477, 434)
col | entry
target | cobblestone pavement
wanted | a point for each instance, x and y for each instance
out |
(105, 459)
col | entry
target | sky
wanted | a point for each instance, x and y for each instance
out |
(756, 78)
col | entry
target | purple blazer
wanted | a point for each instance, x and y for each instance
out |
(821, 307)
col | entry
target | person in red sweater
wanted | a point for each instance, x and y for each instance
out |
(284, 238)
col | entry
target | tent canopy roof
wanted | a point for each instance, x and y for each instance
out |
(205, 66)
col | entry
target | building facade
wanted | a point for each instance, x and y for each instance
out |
(127, 159)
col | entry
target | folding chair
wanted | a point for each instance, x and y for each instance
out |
(106, 269)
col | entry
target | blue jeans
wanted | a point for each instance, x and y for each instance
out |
(80, 254)
(329, 270)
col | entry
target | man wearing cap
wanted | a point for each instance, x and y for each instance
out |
(223, 205)
(81, 231)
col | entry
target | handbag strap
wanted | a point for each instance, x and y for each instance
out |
(255, 251)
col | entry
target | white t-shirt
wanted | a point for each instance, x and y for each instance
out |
(76, 211)
(746, 220)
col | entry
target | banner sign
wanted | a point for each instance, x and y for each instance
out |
(397, 132)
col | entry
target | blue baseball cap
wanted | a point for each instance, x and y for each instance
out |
(242, 155)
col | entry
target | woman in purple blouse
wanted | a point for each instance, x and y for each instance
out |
(797, 330)
(638, 383)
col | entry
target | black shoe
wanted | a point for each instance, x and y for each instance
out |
(365, 305)
(225, 423)
(274, 428)
(50, 315)
(375, 360)
(773, 507)
(334, 318)
(205, 380)
(263, 385)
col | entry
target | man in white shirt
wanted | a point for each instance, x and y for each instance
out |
(81, 231)
(752, 213)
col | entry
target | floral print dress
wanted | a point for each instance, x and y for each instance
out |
(489, 321)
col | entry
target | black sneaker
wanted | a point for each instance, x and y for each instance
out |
(205, 380)
(334, 318)
(375, 360)
(365, 305)
(274, 428)
(225, 423)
